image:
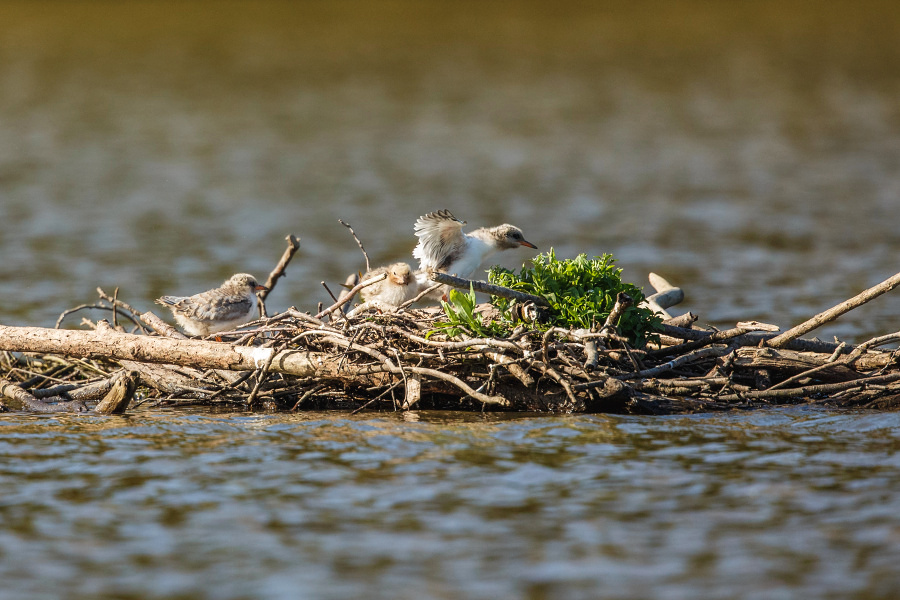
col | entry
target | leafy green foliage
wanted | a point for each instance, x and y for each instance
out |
(581, 293)
(462, 318)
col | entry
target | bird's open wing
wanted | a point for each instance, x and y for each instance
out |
(440, 235)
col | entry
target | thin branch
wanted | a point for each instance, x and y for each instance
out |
(836, 311)
(350, 295)
(358, 243)
(293, 244)
(714, 338)
(307, 394)
(327, 289)
(454, 345)
(420, 295)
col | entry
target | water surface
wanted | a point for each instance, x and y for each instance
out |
(773, 504)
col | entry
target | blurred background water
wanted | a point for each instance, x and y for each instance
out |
(747, 150)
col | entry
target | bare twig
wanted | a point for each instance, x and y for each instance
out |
(293, 244)
(114, 300)
(161, 327)
(714, 338)
(327, 289)
(421, 295)
(68, 312)
(834, 312)
(345, 299)
(358, 243)
(307, 394)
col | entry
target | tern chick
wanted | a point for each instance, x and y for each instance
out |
(220, 309)
(443, 246)
(397, 288)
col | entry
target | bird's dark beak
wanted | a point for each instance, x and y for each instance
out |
(527, 243)
(261, 288)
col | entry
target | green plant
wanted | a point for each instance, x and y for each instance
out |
(581, 293)
(460, 311)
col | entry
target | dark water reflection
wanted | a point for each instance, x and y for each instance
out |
(766, 505)
(748, 150)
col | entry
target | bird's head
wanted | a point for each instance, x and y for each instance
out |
(400, 274)
(244, 280)
(510, 236)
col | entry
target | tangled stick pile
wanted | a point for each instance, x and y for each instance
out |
(402, 360)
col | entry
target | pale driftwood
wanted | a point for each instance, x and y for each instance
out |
(666, 296)
(161, 327)
(514, 368)
(119, 396)
(751, 338)
(757, 326)
(834, 312)
(485, 288)
(685, 320)
(105, 342)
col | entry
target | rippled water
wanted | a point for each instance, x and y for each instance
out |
(749, 151)
(776, 504)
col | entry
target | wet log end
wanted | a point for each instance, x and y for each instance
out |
(119, 397)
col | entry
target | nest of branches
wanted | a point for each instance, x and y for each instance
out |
(410, 359)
